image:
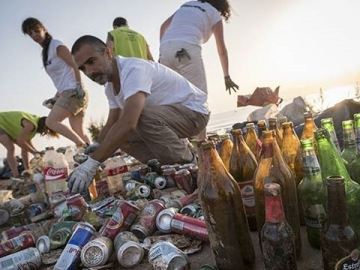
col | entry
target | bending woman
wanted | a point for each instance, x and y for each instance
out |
(71, 99)
(19, 128)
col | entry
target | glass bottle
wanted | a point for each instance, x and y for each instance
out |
(328, 123)
(278, 133)
(224, 212)
(349, 151)
(243, 165)
(277, 236)
(226, 146)
(273, 169)
(309, 126)
(354, 166)
(261, 128)
(281, 120)
(338, 238)
(252, 140)
(331, 164)
(312, 193)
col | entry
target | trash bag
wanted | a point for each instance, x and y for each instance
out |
(341, 111)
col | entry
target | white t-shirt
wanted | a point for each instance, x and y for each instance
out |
(61, 74)
(192, 23)
(162, 85)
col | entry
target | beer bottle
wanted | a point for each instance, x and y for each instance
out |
(273, 169)
(277, 237)
(252, 140)
(328, 124)
(354, 166)
(338, 238)
(224, 212)
(261, 128)
(309, 126)
(226, 146)
(243, 165)
(331, 164)
(282, 119)
(349, 151)
(312, 193)
(278, 133)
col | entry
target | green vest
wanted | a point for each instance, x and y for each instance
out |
(129, 43)
(10, 122)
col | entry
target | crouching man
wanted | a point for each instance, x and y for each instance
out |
(151, 109)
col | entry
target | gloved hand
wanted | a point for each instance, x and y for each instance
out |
(230, 85)
(81, 177)
(91, 148)
(80, 93)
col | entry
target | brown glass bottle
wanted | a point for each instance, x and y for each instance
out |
(261, 128)
(273, 169)
(278, 133)
(277, 236)
(243, 165)
(224, 213)
(226, 146)
(252, 140)
(338, 238)
(309, 127)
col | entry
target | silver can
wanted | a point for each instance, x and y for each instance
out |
(43, 244)
(128, 250)
(26, 259)
(96, 252)
(165, 256)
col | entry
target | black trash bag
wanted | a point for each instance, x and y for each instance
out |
(5, 171)
(341, 111)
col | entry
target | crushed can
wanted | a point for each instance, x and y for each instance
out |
(23, 241)
(165, 256)
(70, 256)
(60, 233)
(96, 252)
(130, 185)
(169, 174)
(185, 181)
(77, 206)
(127, 249)
(154, 180)
(192, 210)
(140, 192)
(43, 244)
(139, 171)
(26, 259)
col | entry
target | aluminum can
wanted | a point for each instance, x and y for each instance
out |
(60, 233)
(154, 165)
(26, 259)
(77, 206)
(169, 174)
(154, 180)
(16, 231)
(131, 185)
(184, 181)
(70, 256)
(138, 172)
(169, 220)
(35, 209)
(192, 210)
(168, 255)
(128, 250)
(43, 244)
(140, 192)
(20, 242)
(121, 220)
(145, 223)
(96, 252)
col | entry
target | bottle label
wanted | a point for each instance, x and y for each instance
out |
(117, 170)
(51, 173)
(311, 165)
(248, 196)
(315, 216)
(351, 262)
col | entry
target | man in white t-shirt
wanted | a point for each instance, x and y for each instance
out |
(151, 109)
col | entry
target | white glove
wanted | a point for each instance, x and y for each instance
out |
(91, 148)
(81, 177)
(80, 91)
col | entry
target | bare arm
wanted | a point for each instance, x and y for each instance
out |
(64, 53)
(125, 123)
(25, 158)
(221, 47)
(24, 138)
(113, 116)
(110, 42)
(165, 25)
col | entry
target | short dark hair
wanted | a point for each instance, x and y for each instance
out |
(119, 21)
(97, 43)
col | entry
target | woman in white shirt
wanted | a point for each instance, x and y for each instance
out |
(183, 33)
(70, 100)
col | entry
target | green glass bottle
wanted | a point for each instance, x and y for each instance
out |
(354, 166)
(349, 151)
(312, 193)
(332, 164)
(328, 123)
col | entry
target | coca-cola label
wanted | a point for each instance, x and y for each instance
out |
(55, 173)
(248, 196)
(351, 262)
(117, 170)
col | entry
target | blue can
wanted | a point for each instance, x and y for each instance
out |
(70, 256)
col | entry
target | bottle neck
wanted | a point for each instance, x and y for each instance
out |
(274, 211)
(267, 150)
(349, 139)
(337, 213)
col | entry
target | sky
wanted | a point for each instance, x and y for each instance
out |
(301, 45)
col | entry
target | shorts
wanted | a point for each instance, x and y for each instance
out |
(70, 102)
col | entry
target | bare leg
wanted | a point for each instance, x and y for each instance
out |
(54, 119)
(77, 124)
(10, 157)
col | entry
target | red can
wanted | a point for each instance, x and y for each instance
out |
(121, 220)
(184, 181)
(16, 231)
(16, 244)
(77, 206)
(145, 223)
